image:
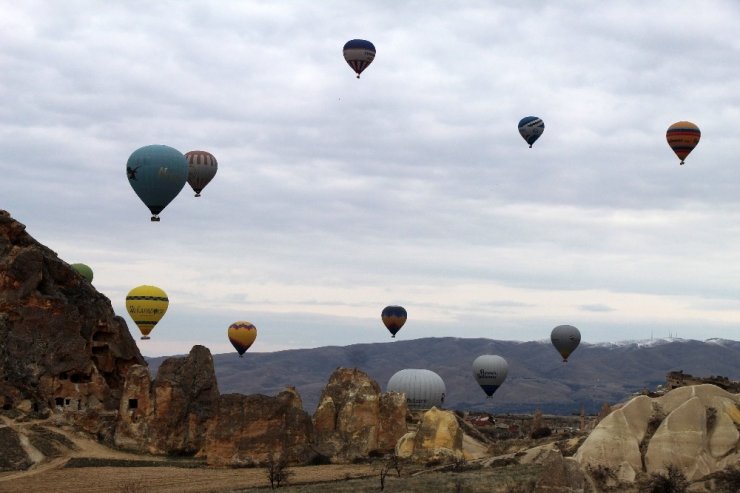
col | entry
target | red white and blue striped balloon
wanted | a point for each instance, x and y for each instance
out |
(359, 53)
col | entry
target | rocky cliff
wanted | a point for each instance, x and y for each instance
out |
(61, 345)
(696, 429)
(355, 419)
(170, 414)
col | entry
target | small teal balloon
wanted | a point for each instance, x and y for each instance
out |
(157, 173)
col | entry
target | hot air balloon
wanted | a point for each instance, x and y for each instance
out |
(565, 338)
(393, 317)
(530, 128)
(490, 372)
(146, 305)
(83, 270)
(359, 53)
(157, 173)
(242, 335)
(202, 167)
(423, 388)
(683, 137)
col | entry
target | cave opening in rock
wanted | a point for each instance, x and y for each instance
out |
(133, 403)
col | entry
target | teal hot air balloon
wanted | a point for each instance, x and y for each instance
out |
(157, 173)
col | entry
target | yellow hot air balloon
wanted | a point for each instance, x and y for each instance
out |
(242, 334)
(146, 305)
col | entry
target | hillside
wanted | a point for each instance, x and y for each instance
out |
(596, 373)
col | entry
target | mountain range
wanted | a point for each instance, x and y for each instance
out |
(595, 373)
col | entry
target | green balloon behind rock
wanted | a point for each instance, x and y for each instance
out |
(83, 270)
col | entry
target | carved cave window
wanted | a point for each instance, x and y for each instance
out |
(133, 403)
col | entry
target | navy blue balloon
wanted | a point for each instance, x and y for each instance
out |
(393, 317)
(530, 128)
(359, 53)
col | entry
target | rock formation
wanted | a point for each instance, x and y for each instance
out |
(169, 415)
(61, 345)
(249, 429)
(694, 428)
(438, 438)
(354, 419)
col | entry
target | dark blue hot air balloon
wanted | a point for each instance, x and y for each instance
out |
(393, 317)
(157, 173)
(530, 128)
(359, 53)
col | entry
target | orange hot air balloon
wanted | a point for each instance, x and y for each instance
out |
(242, 335)
(683, 137)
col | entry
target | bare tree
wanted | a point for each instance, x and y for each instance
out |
(277, 470)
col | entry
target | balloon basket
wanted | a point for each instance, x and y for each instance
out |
(145, 338)
(197, 194)
(155, 219)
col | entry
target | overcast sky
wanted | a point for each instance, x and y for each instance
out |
(336, 197)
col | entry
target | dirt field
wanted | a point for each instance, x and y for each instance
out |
(165, 479)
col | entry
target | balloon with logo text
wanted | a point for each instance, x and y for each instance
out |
(490, 371)
(146, 305)
(530, 128)
(359, 53)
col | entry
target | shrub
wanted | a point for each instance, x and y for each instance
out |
(727, 480)
(541, 432)
(672, 481)
(602, 475)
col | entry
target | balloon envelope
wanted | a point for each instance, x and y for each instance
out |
(683, 137)
(359, 53)
(530, 128)
(565, 338)
(83, 270)
(393, 317)
(146, 305)
(423, 388)
(242, 335)
(490, 372)
(202, 167)
(157, 173)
